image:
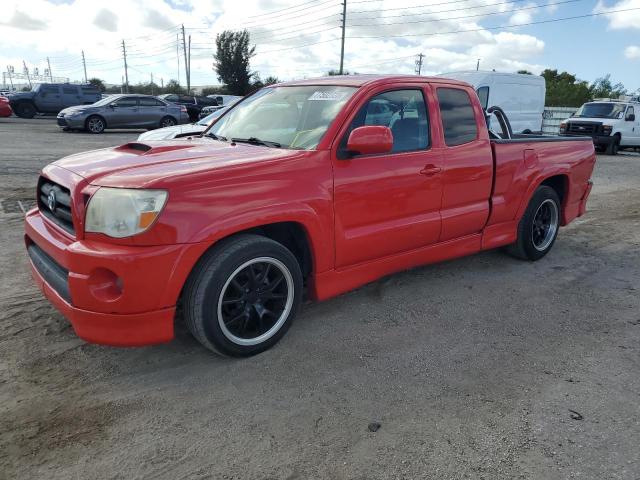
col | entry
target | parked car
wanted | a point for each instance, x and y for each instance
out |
(234, 223)
(225, 100)
(51, 98)
(611, 124)
(520, 96)
(206, 111)
(5, 107)
(193, 103)
(177, 131)
(123, 111)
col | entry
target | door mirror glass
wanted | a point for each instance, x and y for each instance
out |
(370, 140)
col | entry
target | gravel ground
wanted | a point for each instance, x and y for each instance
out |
(485, 367)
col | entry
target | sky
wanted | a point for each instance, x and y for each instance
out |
(301, 39)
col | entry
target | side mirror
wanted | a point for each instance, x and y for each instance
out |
(631, 117)
(112, 106)
(370, 140)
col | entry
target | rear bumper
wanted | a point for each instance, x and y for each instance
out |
(112, 294)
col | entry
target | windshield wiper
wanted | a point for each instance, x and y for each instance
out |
(214, 136)
(257, 141)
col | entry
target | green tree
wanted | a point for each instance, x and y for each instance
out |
(332, 73)
(565, 90)
(604, 88)
(172, 86)
(525, 72)
(233, 55)
(271, 80)
(98, 83)
(222, 90)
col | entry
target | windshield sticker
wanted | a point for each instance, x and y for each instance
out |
(332, 95)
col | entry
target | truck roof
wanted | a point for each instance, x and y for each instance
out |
(360, 80)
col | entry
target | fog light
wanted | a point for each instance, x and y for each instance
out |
(105, 285)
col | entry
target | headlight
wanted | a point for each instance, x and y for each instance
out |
(122, 212)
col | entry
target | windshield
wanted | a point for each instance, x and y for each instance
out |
(601, 110)
(294, 117)
(104, 101)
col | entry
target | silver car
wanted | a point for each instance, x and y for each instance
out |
(177, 131)
(123, 111)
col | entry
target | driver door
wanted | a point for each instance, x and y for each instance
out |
(389, 203)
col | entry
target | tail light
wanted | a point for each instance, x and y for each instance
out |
(183, 109)
(563, 127)
(4, 100)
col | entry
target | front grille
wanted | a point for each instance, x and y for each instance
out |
(582, 128)
(56, 276)
(51, 194)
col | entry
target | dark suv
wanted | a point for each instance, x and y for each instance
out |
(52, 97)
(193, 103)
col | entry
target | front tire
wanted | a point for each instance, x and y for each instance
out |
(613, 147)
(538, 228)
(95, 124)
(25, 110)
(243, 295)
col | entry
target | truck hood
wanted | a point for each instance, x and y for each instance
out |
(20, 96)
(143, 164)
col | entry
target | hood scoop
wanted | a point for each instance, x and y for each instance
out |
(139, 148)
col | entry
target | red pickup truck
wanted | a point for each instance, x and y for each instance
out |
(312, 188)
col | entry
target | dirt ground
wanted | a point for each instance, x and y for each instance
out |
(484, 368)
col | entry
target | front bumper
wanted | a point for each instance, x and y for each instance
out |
(70, 122)
(112, 294)
(597, 139)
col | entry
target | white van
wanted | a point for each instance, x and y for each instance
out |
(611, 123)
(521, 96)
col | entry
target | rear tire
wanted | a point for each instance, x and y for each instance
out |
(95, 124)
(243, 295)
(25, 110)
(168, 121)
(538, 228)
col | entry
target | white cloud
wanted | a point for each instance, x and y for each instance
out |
(150, 27)
(620, 19)
(632, 52)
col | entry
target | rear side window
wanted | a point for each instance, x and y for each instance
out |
(49, 89)
(458, 118)
(483, 95)
(70, 90)
(186, 99)
(150, 102)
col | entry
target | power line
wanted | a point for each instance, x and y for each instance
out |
(297, 46)
(272, 14)
(533, 7)
(540, 22)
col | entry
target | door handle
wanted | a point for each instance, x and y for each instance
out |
(430, 170)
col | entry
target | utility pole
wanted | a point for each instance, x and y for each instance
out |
(419, 64)
(162, 82)
(151, 84)
(126, 72)
(189, 69)
(26, 72)
(10, 79)
(50, 73)
(84, 65)
(178, 55)
(344, 21)
(186, 63)
(478, 65)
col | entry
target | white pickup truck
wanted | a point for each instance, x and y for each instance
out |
(613, 124)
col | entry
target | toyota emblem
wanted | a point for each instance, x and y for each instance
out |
(51, 200)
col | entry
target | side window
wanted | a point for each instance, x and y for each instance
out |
(70, 90)
(483, 95)
(48, 89)
(187, 100)
(150, 102)
(171, 98)
(126, 102)
(404, 112)
(458, 118)
(630, 111)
